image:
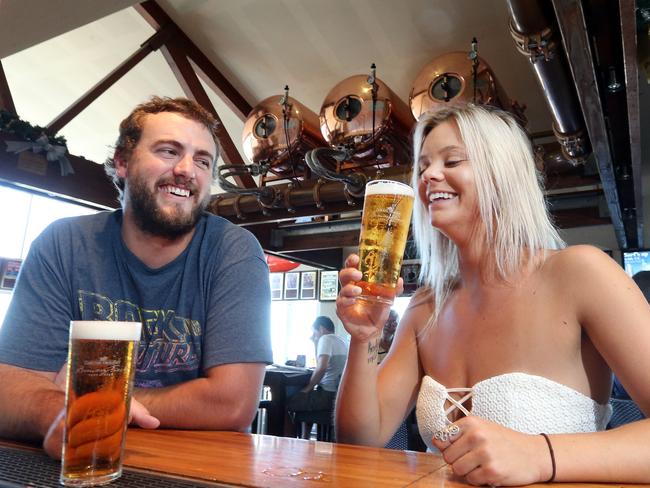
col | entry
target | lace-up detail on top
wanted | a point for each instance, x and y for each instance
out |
(519, 401)
(457, 404)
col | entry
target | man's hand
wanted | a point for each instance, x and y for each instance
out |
(61, 376)
(140, 416)
(486, 453)
(53, 441)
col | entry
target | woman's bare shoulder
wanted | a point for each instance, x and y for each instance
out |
(583, 270)
(579, 260)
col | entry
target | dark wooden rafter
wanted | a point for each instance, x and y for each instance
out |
(6, 100)
(88, 184)
(152, 44)
(178, 52)
(628, 31)
(575, 38)
(189, 81)
(578, 217)
(328, 240)
(158, 18)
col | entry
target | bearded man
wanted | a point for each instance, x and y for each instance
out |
(197, 283)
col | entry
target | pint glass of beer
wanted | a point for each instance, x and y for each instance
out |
(101, 367)
(384, 229)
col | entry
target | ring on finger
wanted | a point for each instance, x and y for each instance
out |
(447, 433)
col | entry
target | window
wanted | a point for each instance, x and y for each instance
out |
(29, 214)
(635, 261)
(14, 221)
(291, 329)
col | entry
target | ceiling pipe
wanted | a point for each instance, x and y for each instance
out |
(313, 193)
(312, 197)
(535, 36)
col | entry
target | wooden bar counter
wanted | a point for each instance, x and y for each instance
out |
(225, 459)
(268, 461)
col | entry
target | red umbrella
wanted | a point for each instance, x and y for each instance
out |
(280, 265)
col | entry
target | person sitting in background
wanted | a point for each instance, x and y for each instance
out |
(509, 345)
(198, 284)
(331, 353)
(387, 334)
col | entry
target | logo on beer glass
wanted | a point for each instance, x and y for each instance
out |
(385, 223)
(98, 394)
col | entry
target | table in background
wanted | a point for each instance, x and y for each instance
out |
(278, 380)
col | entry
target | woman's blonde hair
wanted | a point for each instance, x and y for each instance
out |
(513, 211)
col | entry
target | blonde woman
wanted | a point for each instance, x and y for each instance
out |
(509, 345)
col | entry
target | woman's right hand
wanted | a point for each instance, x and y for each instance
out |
(362, 319)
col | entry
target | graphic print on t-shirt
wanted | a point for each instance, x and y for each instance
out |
(169, 343)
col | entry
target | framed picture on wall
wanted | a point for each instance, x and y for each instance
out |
(329, 285)
(291, 285)
(277, 285)
(308, 285)
(9, 272)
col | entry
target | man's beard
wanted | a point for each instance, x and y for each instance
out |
(149, 218)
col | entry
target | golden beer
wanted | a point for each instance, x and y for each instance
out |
(98, 393)
(384, 229)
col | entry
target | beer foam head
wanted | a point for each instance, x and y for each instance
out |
(389, 187)
(105, 330)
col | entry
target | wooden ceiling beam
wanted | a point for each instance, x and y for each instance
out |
(578, 217)
(628, 31)
(88, 184)
(314, 242)
(282, 215)
(564, 218)
(6, 100)
(571, 20)
(187, 78)
(152, 44)
(158, 18)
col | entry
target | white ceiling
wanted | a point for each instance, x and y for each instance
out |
(259, 45)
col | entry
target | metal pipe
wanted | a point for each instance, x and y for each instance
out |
(240, 205)
(532, 29)
(355, 183)
(310, 193)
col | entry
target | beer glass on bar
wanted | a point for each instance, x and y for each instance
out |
(385, 223)
(101, 367)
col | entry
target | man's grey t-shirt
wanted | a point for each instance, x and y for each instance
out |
(209, 306)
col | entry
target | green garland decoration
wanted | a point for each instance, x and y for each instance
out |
(12, 124)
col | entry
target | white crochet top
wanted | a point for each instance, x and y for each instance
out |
(519, 401)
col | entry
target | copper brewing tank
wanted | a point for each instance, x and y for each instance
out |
(449, 78)
(346, 115)
(265, 139)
